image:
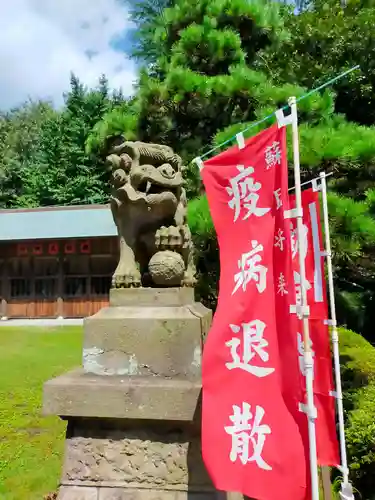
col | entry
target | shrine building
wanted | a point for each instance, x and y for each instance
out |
(56, 262)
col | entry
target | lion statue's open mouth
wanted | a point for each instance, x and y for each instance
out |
(157, 182)
(150, 187)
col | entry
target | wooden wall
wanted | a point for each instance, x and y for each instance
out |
(49, 279)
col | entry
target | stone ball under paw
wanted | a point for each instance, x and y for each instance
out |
(166, 268)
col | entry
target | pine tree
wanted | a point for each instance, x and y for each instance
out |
(326, 38)
(148, 17)
(211, 81)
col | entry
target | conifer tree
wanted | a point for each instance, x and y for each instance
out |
(210, 81)
(325, 38)
(68, 175)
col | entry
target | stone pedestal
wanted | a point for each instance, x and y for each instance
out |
(133, 409)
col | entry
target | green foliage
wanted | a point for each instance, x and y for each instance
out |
(353, 241)
(20, 130)
(325, 39)
(120, 120)
(204, 237)
(42, 151)
(148, 18)
(358, 373)
(370, 200)
(68, 174)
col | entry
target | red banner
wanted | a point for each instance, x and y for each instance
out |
(327, 444)
(251, 442)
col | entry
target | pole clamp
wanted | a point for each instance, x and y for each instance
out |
(335, 337)
(330, 322)
(300, 311)
(310, 411)
(315, 186)
(336, 394)
(326, 254)
(283, 120)
(293, 213)
(308, 360)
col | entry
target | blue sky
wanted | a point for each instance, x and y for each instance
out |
(42, 41)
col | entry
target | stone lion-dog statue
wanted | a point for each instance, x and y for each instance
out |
(149, 206)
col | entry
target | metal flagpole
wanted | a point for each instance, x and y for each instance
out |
(346, 488)
(304, 311)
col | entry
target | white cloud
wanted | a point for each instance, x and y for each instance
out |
(42, 41)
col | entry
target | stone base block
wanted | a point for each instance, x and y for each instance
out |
(113, 461)
(144, 297)
(77, 394)
(147, 332)
(77, 493)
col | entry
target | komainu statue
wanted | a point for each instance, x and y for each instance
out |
(149, 208)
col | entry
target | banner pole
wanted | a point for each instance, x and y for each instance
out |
(308, 357)
(345, 485)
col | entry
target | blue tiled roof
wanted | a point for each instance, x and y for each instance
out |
(57, 222)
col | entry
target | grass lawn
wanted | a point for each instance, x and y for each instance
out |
(31, 446)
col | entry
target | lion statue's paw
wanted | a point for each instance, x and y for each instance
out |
(188, 280)
(168, 238)
(126, 278)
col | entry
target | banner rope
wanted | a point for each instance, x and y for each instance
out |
(308, 94)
